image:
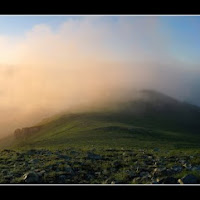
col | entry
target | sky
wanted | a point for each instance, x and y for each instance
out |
(183, 31)
(53, 63)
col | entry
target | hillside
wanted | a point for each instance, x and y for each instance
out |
(153, 139)
(151, 120)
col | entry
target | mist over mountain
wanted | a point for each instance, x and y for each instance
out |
(99, 99)
(150, 116)
(86, 62)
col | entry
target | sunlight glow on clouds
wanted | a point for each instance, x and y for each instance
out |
(85, 62)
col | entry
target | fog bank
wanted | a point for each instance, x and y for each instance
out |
(85, 63)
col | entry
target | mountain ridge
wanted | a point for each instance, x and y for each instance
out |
(153, 116)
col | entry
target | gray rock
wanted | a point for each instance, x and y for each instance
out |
(116, 164)
(31, 177)
(156, 149)
(105, 172)
(149, 162)
(110, 149)
(32, 168)
(113, 169)
(74, 153)
(155, 182)
(34, 161)
(62, 178)
(93, 156)
(89, 176)
(8, 177)
(177, 169)
(191, 157)
(47, 152)
(195, 168)
(32, 152)
(144, 174)
(136, 180)
(188, 166)
(182, 162)
(25, 164)
(168, 180)
(124, 154)
(168, 172)
(159, 171)
(97, 173)
(4, 172)
(69, 170)
(117, 182)
(41, 173)
(188, 179)
(63, 157)
(130, 174)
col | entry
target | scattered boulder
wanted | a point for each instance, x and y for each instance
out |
(69, 170)
(177, 169)
(159, 171)
(155, 182)
(31, 177)
(188, 166)
(74, 153)
(77, 166)
(32, 152)
(195, 168)
(4, 172)
(110, 149)
(105, 172)
(34, 161)
(136, 180)
(60, 156)
(191, 157)
(97, 173)
(182, 162)
(168, 180)
(62, 178)
(93, 156)
(188, 179)
(116, 164)
(41, 173)
(156, 149)
(144, 174)
(130, 174)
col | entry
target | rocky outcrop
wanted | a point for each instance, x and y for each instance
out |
(27, 131)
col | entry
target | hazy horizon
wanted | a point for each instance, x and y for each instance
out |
(53, 63)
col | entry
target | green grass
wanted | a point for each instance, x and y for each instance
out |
(162, 123)
(102, 130)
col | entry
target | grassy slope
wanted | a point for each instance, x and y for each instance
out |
(159, 122)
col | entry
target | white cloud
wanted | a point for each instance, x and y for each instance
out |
(82, 62)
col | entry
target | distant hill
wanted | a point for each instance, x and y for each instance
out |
(150, 120)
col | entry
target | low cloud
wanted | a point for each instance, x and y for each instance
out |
(86, 62)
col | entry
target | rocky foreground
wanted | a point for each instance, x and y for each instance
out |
(107, 166)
